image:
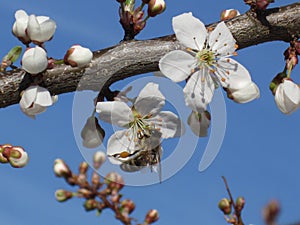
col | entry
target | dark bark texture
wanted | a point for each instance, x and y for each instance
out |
(137, 57)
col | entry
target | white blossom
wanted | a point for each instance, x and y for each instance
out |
(35, 100)
(245, 94)
(92, 134)
(20, 26)
(78, 56)
(199, 122)
(40, 28)
(287, 96)
(34, 60)
(139, 120)
(205, 64)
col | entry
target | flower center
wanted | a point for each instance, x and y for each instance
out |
(139, 125)
(206, 57)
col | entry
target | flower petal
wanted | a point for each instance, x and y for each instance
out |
(118, 143)
(177, 65)
(43, 97)
(28, 97)
(246, 94)
(34, 60)
(115, 112)
(287, 97)
(221, 40)
(199, 123)
(237, 75)
(189, 31)
(167, 123)
(199, 90)
(150, 100)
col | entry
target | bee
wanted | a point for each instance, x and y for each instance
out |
(148, 155)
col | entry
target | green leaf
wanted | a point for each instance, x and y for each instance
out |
(13, 54)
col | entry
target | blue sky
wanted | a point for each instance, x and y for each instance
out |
(259, 155)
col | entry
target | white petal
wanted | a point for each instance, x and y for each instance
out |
(246, 94)
(199, 90)
(236, 74)
(120, 141)
(20, 25)
(167, 123)
(199, 123)
(28, 97)
(43, 97)
(150, 100)
(80, 55)
(177, 65)
(292, 91)
(287, 97)
(91, 133)
(34, 110)
(40, 28)
(115, 112)
(189, 31)
(34, 60)
(221, 40)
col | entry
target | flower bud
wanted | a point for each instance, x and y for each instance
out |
(152, 216)
(225, 206)
(90, 204)
(78, 56)
(92, 133)
(229, 14)
(3, 152)
(34, 60)
(63, 195)
(287, 96)
(83, 167)
(18, 157)
(40, 29)
(84, 193)
(240, 203)
(127, 205)
(263, 4)
(20, 26)
(156, 7)
(98, 159)
(114, 181)
(61, 169)
(271, 212)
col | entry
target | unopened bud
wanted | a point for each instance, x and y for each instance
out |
(114, 181)
(78, 56)
(152, 216)
(240, 203)
(225, 206)
(271, 211)
(84, 193)
(127, 205)
(90, 204)
(229, 14)
(61, 169)
(156, 7)
(98, 159)
(83, 167)
(18, 157)
(63, 195)
(95, 179)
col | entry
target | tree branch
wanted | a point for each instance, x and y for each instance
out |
(137, 57)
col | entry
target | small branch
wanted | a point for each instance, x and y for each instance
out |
(137, 57)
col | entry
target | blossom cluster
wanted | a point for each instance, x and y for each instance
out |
(15, 155)
(133, 19)
(38, 30)
(99, 195)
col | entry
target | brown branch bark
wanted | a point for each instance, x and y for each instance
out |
(137, 57)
